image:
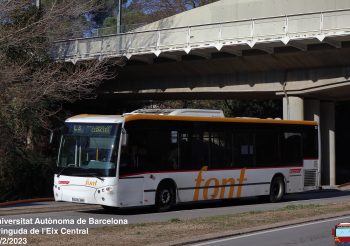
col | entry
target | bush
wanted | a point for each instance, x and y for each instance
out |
(26, 175)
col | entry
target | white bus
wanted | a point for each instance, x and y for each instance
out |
(165, 157)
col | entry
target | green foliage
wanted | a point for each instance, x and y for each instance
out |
(105, 9)
(138, 12)
(133, 18)
(300, 206)
(109, 26)
(158, 9)
(110, 22)
(252, 108)
(25, 175)
(33, 90)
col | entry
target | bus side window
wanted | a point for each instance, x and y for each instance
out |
(162, 154)
(173, 157)
(310, 142)
(133, 155)
(154, 149)
(201, 149)
(194, 150)
(126, 162)
(291, 151)
(185, 151)
(221, 150)
(244, 150)
(267, 148)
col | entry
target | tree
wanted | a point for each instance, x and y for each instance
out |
(253, 108)
(33, 86)
(231, 108)
(139, 12)
(105, 9)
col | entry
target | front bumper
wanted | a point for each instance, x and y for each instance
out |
(86, 190)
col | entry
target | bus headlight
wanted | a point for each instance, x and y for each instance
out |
(109, 189)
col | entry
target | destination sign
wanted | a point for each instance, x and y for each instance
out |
(88, 129)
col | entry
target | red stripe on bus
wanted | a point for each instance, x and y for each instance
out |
(343, 239)
(63, 182)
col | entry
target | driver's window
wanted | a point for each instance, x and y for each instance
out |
(69, 149)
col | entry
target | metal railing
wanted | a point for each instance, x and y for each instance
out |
(100, 32)
(252, 31)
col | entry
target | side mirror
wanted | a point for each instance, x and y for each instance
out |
(124, 137)
(333, 232)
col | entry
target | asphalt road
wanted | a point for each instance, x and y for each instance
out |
(143, 215)
(317, 233)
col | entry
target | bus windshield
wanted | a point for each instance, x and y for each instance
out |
(89, 150)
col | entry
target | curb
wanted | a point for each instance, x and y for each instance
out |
(9, 211)
(343, 185)
(227, 234)
(10, 203)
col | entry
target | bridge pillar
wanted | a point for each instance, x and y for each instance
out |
(327, 123)
(296, 108)
(293, 108)
(312, 110)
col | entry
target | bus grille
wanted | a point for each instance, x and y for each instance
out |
(310, 177)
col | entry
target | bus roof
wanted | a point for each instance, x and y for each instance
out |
(136, 117)
(182, 112)
(90, 118)
(344, 224)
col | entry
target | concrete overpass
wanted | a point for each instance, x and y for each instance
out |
(297, 50)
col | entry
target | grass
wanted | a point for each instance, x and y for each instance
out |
(301, 206)
(175, 220)
(176, 229)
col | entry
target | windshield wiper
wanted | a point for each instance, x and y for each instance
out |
(95, 175)
(66, 167)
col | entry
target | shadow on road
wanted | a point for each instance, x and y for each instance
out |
(30, 204)
(305, 196)
(312, 195)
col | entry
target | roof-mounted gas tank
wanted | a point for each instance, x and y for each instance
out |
(182, 112)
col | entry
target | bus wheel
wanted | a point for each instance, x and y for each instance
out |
(165, 197)
(276, 189)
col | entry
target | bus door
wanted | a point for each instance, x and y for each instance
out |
(291, 155)
(132, 173)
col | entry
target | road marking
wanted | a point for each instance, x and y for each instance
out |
(268, 231)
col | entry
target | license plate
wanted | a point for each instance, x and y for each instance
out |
(74, 199)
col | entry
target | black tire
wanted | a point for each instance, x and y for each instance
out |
(276, 189)
(165, 197)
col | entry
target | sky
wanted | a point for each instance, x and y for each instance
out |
(128, 3)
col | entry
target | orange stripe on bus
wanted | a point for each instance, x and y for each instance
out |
(136, 117)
